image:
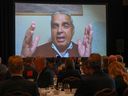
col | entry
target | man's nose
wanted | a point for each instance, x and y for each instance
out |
(60, 30)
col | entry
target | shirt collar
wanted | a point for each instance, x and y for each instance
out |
(65, 53)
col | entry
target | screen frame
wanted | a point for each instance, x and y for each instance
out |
(66, 2)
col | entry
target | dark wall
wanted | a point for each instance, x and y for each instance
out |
(115, 27)
(125, 29)
(6, 29)
(117, 20)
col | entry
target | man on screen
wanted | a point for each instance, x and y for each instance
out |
(62, 31)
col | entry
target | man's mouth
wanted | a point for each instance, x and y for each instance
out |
(60, 39)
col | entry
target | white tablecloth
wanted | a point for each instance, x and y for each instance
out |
(54, 92)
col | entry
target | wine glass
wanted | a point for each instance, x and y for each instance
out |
(60, 86)
(67, 88)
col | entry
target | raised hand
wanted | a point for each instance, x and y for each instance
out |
(29, 46)
(84, 47)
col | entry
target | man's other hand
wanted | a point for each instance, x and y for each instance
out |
(29, 45)
(84, 47)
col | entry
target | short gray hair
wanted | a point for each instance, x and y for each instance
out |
(65, 13)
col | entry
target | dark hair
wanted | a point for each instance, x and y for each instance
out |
(69, 64)
(94, 61)
(15, 64)
(94, 65)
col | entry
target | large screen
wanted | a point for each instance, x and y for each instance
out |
(82, 16)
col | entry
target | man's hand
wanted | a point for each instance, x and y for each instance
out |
(29, 46)
(84, 47)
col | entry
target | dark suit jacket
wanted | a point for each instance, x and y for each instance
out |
(72, 77)
(45, 78)
(90, 85)
(18, 83)
(45, 50)
(120, 85)
(71, 72)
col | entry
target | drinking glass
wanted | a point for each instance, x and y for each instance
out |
(67, 88)
(60, 86)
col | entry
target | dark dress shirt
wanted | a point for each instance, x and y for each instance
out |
(45, 78)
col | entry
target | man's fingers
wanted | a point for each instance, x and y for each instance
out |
(35, 43)
(81, 48)
(31, 28)
(79, 42)
(88, 34)
(33, 25)
(90, 37)
(84, 47)
(89, 27)
(27, 43)
(29, 34)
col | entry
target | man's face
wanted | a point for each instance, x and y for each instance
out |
(62, 30)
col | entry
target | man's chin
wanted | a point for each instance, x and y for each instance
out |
(61, 46)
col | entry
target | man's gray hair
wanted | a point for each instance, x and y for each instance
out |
(65, 13)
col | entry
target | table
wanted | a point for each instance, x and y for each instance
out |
(54, 92)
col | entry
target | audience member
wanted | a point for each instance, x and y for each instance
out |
(96, 80)
(118, 73)
(61, 70)
(45, 75)
(29, 72)
(84, 69)
(71, 75)
(3, 70)
(17, 82)
(105, 64)
(70, 69)
(112, 58)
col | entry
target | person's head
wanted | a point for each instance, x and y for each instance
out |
(61, 68)
(69, 64)
(50, 63)
(112, 58)
(15, 64)
(116, 69)
(62, 30)
(84, 68)
(27, 61)
(96, 57)
(94, 62)
(40, 63)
